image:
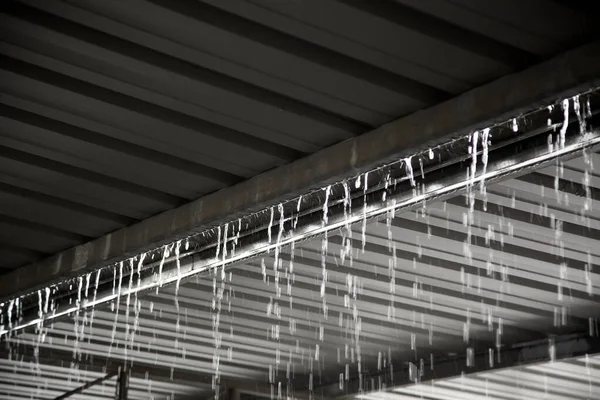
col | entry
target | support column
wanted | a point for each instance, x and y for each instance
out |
(122, 384)
(233, 394)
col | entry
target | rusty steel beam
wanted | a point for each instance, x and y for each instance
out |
(562, 76)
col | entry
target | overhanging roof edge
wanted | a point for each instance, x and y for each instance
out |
(565, 75)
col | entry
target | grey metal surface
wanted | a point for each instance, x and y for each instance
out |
(116, 111)
(440, 176)
(19, 381)
(576, 378)
(103, 194)
(509, 289)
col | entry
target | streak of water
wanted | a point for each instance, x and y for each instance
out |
(409, 172)
(325, 218)
(364, 220)
(298, 205)
(219, 242)
(177, 263)
(118, 301)
(271, 223)
(165, 254)
(96, 283)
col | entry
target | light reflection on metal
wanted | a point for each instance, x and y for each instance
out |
(451, 185)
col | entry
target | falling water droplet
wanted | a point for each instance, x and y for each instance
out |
(270, 223)
(325, 205)
(364, 220)
(409, 171)
(470, 357)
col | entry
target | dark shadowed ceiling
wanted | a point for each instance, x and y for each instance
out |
(113, 111)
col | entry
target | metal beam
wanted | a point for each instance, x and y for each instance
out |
(520, 354)
(518, 156)
(565, 75)
(233, 394)
(86, 386)
(122, 384)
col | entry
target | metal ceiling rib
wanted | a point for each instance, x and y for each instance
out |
(411, 295)
(111, 115)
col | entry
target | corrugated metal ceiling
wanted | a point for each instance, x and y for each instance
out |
(533, 274)
(115, 111)
(53, 383)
